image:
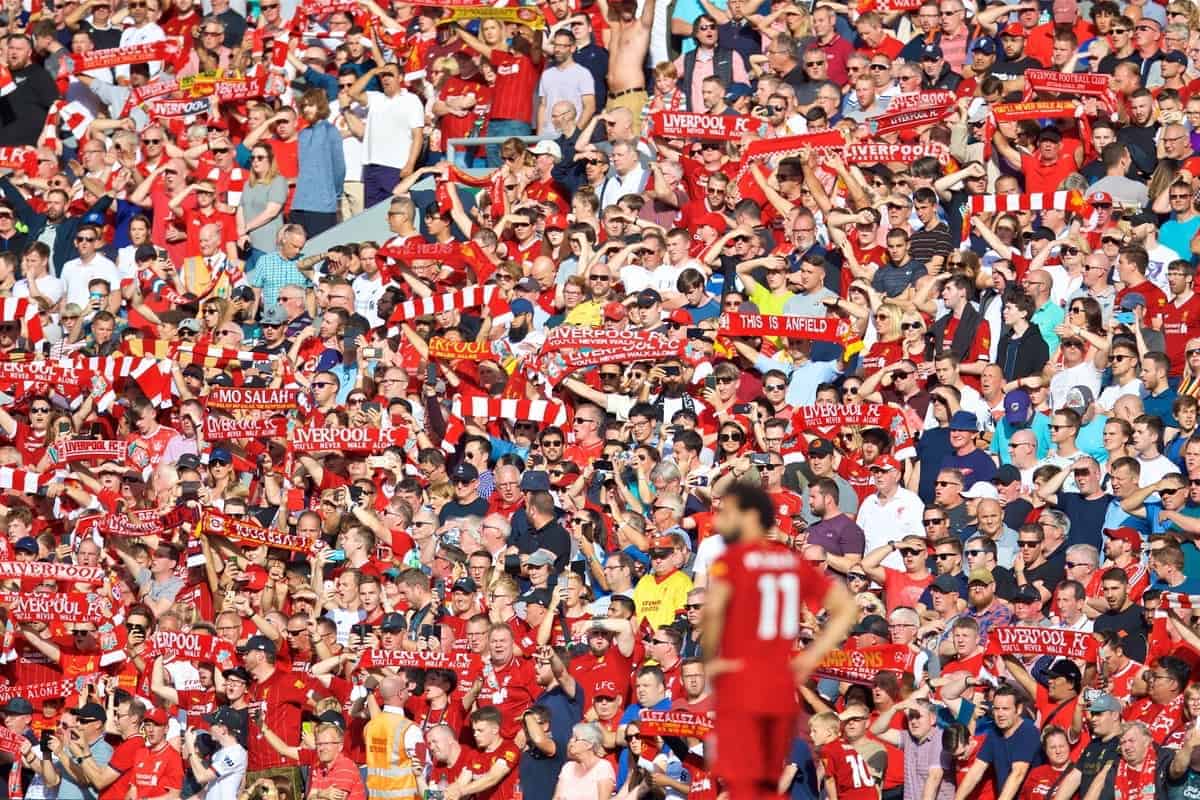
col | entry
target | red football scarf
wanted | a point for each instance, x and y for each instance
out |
(409, 659)
(897, 152)
(190, 647)
(447, 349)
(489, 408)
(631, 342)
(674, 723)
(862, 664)
(1078, 84)
(1022, 640)
(176, 109)
(1072, 202)
(20, 480)
(219, 429)
(214, 523)
(418, 250)
(373, 440)
(45, 570)
(21, 159)
(896, 121)
(67, 607)
(691, 125)
(459, 300)
(146, 523)
(255, 399)
(165, 50)
(818, 329)
(933, 98)
(72, 450)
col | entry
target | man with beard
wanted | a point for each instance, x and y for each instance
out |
(564, 80)
(56, 203)
(751, 620)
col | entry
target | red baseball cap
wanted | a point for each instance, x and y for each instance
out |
(1014, 29)
(156, 716)
(255, 578)
(1100, 197)
(557, 221)
(886, 462)
(615, 311)
(680, 317)
(1126, 534)
(714, 221)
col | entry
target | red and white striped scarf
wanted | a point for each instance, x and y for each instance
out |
(21, 480)
(540, 411)
(470, 297)
(23, 310)
(234, 182)
(72, 116)
(1072, 202)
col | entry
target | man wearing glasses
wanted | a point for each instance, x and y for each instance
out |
(78, 273)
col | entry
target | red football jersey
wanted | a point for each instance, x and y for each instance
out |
(848, 770)
(768, 583)
(481, 764)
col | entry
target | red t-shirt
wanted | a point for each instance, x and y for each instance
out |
(1156, 301)
(849, 771)
(282, 698)
(516, 78)
(1161, 719)
(1180, 323)
(482, 761)
(1040, 781)
(882, 354)
(511, 689)
(158, 771)
(442, 775)
(768, 582)
(125, 757)
(1041, 177)
(451, 125)
(900, 589)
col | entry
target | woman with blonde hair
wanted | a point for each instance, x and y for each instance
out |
(1190, 385)
(260, 213)
(889, 346)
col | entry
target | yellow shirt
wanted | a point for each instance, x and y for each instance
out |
(661, 600)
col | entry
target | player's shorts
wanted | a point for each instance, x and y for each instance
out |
(746, 747)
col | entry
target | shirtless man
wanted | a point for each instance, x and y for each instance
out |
(626, 72)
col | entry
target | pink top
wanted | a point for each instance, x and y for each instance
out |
(574, 783)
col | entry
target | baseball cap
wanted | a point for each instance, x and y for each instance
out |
(520, 306)
(606, 689)
(1017, 407)
(539, 597)
(1100, 197)
(1104, 702)
(189, 324)
(931, 52)
(680, 317)
(1027, 594)
(224, 715)
(528, 285)
(946, 584)
(332, 716)
(188, 461)
(1126, 534)
(535, 480)
(1176, 57)
(1153, 12)
(1132, 300)
(662, 543)
(1065, 668)
(156, 716)
(91, 712)
(17, 705)
(886, 462)
(260, 643)
(980, 575)
(541, 558)
(1042, 232)
(275, 315)
(615, 311)
(392, 623)
(26, 544)
(1144, 218)
(241, 673)
(1006, 474)
(558, 221)
(964, 421)
(981, 490)
(647, 298)
(872, 623)
(737, 91)
(1014, 29)
(1079, 399)
(465, 472)
(220, 455)
(145, 252)
(820, 448)
(546, 147)
(464, 585)
(985, 45)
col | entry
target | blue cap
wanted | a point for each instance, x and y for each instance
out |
(1017, 405)
(520, 306)
(985, 45)
(737, 91)
(328, 360)
(931, 52)
(220, 454)
(26, 544)
(964, 421)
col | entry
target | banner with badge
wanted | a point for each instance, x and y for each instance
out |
(693, 125)
(72, 450)
(214, 523)
(862, 664)
(220, 429)
(190, 647)
(68, 607)
(45, 570)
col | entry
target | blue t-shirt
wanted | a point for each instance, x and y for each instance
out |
(1087, 518)
(1178, 235)
(1003, 751)
(976, 466)
(632, 714)
(804, 785)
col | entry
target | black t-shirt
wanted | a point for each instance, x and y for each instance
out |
(1130, 624)
(1093, 758)
(1110, 61)
(456, 510)
(1009, 70)
(1087, 517)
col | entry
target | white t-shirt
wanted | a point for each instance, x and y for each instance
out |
(1155, 470)
(230, 765)
(890, 522)
(49, 286)
(150, 32)
(76, 275)
(352, 146)
(388, 139)
(367, 292)
(636, 277)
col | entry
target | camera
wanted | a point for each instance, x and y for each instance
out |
(760, 459)
(361, 630)
(512, 565)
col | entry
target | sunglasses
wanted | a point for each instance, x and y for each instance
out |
(731, 437)
(909, 552)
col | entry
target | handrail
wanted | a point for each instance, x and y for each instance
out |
(452, 145)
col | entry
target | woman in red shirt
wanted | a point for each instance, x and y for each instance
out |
(889, 347)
